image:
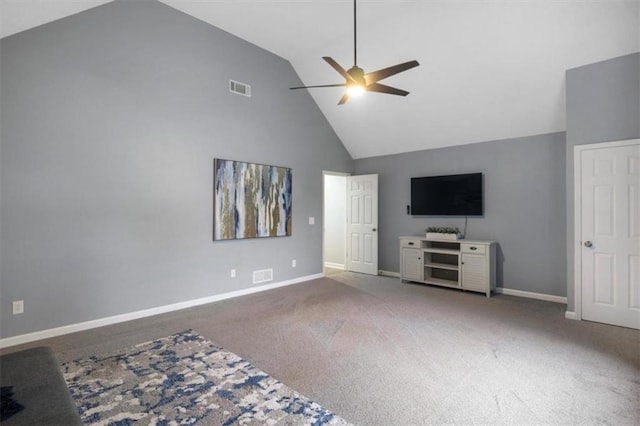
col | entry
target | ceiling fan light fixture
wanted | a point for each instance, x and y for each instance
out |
(355, 90)
(357, 84)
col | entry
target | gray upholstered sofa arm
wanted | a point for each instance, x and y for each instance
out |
(36, 383)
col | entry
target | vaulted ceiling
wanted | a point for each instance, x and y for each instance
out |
(489, 69)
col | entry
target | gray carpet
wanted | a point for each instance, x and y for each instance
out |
(376, 351)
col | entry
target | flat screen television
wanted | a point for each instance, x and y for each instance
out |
(451, 195)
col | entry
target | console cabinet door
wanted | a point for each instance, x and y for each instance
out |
(411, 267)
(475, 273)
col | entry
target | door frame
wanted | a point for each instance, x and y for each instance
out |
(577, 212)
(344, 237)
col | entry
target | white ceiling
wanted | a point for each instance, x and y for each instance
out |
(489, 69)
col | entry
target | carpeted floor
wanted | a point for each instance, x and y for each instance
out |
(377, 351)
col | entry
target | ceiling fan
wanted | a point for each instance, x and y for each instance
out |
(357, 82)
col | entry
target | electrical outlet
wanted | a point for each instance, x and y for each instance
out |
(293, 263)
(18, 307)
(312, 220)
(233, 273)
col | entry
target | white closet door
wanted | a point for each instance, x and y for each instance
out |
(610, 234)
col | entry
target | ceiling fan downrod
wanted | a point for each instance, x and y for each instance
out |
(355, 38)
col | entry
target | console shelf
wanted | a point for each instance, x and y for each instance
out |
(441, 266)
(464, 264)
(443, 250)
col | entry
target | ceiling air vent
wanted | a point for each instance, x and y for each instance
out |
(240, 88)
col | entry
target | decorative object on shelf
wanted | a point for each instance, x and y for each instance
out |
(250, 200)
(443, 233)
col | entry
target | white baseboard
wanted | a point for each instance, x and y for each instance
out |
(571, 315)
(531, 295)
(334, 265)
(389, 273)
(87, 325)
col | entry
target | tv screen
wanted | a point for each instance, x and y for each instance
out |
(452, 195)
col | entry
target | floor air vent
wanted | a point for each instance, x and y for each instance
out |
(240, 88)
(262, 276)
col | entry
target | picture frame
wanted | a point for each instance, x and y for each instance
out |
(251, 200)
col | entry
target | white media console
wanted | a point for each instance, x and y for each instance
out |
(463, 264)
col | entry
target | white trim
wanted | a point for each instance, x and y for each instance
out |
(531, 295)
(571, 315)
(604, 145)
(87, 325)
(334, 265)
(577, 215)
(577, 226)
(389, 273)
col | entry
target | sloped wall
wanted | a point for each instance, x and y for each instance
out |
(111, 119)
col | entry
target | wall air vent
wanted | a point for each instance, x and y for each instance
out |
(240, 88)
(262, 276)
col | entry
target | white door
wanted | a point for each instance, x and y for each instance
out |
(362, 224)
(610, 233)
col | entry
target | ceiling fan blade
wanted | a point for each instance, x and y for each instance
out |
(322, 85)
(374, 76)
(336, 66)
(381, 88)
(344, 99)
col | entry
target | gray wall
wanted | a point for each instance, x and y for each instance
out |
(603, 104)
(111, 119)
(524, 207)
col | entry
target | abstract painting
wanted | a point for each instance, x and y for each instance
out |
(250, 200)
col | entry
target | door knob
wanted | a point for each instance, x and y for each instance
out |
(374, 230)
(588, 244)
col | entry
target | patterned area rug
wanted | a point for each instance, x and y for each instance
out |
(185, 379)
